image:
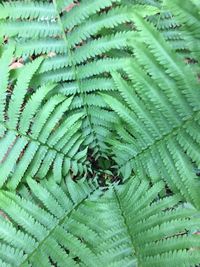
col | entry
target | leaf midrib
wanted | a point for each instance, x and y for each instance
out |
(59, 222)
(165, 136)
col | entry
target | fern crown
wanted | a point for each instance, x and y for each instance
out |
(99, 133)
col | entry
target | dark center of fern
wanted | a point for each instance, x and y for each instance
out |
(104, 170)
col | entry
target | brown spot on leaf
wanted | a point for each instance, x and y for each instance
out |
(70, 6)
(16, 64)
(3, 215)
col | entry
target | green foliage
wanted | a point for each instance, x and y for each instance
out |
(36, 133)
(160, 105)
(80, 46)
(75, 225)
(108, 91)
(187, 14)
(43, 225)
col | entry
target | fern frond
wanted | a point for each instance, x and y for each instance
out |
(188, 16)
(34, 29)
(32, 10)
(31, 140)
(4, 71)
(108, 91)
(82, 44)
(158, 82)
(58, 226)
(40, 238)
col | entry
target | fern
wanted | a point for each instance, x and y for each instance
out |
(99, 133)
(42, 227)
(60, 227)
(188, 16)
(159, 81)
(31, 141)
(90, 37)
